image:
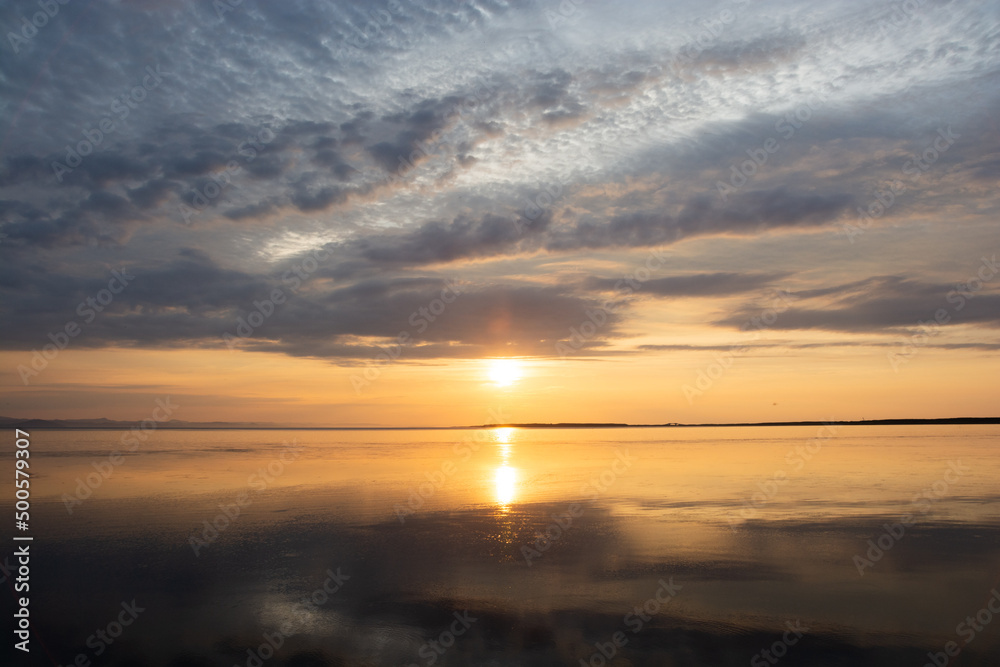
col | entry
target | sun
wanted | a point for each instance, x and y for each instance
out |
(504, 372)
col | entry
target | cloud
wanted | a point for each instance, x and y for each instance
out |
(883, 304)
(750, 213)
(191, 300)
(418, 147)
(694, 285)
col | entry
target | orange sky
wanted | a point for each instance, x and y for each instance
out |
(243, 386)
(612, 201)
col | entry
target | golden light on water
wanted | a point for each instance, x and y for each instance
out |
(506, 484)
(503, 435)
(504, 372)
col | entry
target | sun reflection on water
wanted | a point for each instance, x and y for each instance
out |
(506, 481)
(503, 435)
(506, 476)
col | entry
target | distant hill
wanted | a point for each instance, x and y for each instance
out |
(111, 424)
(867, 422)
(560, 425)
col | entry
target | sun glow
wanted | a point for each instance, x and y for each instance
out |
(506, 482)
(504, 372)
(503, 435)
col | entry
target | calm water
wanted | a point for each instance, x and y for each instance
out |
(697, 546)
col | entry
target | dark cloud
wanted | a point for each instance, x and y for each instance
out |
(318, 200)
(152, 193)
(694, 285)
(23, 168)
(883, 304)
(252, 211)
(749, 213)
(445, 242)
(756, 53)
(415, 138)
(190, 299)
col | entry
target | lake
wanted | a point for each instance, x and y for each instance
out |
(797, 545)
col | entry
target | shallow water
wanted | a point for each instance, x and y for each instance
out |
(686, 546)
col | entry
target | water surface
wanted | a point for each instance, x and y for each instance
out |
(548, 539)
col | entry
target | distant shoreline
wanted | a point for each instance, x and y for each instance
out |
(113, 425)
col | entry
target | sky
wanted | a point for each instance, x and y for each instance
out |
(463, 212)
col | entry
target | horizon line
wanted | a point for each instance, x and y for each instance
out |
(115, 425)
